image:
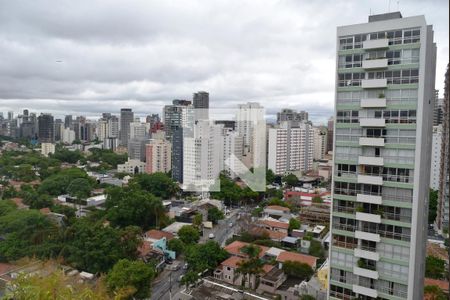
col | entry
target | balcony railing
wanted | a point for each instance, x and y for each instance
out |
(393, 292)
(345, 209)
(342, 296)
(345, 227)
(344, 245)
(387, 234)
(396, 217)
(368, 248)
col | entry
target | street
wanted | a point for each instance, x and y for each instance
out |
(222, 231)
(161, 285)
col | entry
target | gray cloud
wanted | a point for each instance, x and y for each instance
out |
(142, 54)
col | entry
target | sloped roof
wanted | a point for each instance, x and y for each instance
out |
(301, 258)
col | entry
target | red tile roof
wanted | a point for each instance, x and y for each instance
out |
(442, 284)
(158, 234)
(275, 224)
(302, 258)
(19, 203)
(232, 262)
(5, 267)
(45, 210)
(267, 268)
(278, 207)
(235, 249)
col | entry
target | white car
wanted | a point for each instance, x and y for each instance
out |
(211, 236)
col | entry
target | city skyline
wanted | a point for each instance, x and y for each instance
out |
(67, 64)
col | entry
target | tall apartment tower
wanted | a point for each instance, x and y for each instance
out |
(383, 122)
(46, 128)
(126, 117)
(200, 101)
(444, 177)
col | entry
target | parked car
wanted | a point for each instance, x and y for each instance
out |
(211, 236)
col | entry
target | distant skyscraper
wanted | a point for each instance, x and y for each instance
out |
(126, 117)
(292, 115)
(200, 102)
(175, 116)
(330, 137)
(68, 121)
(384, 116)
(438, 109)
(436, 148)
(46, 131)
(320, 142)
(442, 221)
(58, 126)
(10, 115)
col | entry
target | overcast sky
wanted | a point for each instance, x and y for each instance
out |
(88, 57)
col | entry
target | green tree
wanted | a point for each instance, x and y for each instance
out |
(297, 269)
(58, 183)
(252, 266)
(176, 245)
(294, 224)
(434, 267)
(201, 257)
(290, 180)
(307, 297)
(159, 184)
(132, 206)
(316, 249)
(65, 155)
(134, 274)
(432, 209)
(198, 220)
(189, 234)
(25, 233)
(189, 278)
(215, 214)
(79, 188)
(270, 176)
(317, 199)
(95, 248)
(434, 293)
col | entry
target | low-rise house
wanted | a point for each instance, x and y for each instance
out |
(154, 235)
(296, 257)
(271, 281)
(306, 197)
(276, 236)
(276, 212)
(175, 227)
(235, 249)
(273, 225)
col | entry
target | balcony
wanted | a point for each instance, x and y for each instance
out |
(366, 254)
(375, 63)
(360, 290)
(373, 237)
(376, 44)
(368, 217)
(369, 179)
(371, 141)
(365, 272)
(373, 102)
(374, 83)
(371, 199)
(370, 160)
(372, 122)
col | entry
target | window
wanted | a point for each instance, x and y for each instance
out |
(350, 79)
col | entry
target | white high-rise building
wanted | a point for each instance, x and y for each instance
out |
(139, 130)
(202, 156)
(67, 135)
(320, 142)
(436, 157)
(251, 125)
(291, 148)
(382, 155)
(232, 152)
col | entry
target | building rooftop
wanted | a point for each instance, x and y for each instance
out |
(278, 207)
(158, 234)
(235, 249)
(385, 16)
(301, 258)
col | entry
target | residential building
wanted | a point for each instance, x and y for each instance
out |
(232, 152)
(158, 156)
(444, 185)
(67, 135)
(384, 115)
(47, 148)
(202, 156)
(436, 148)
(320, 143)
(251, 125)
(46, 128)
(290, 148)
(68, 121)
(139, 130)
(330, 137)
(292, 115)
(200, 101)
(126, 117)
(132, 166)
(438, 112)
(136, 148)
(176, 116)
